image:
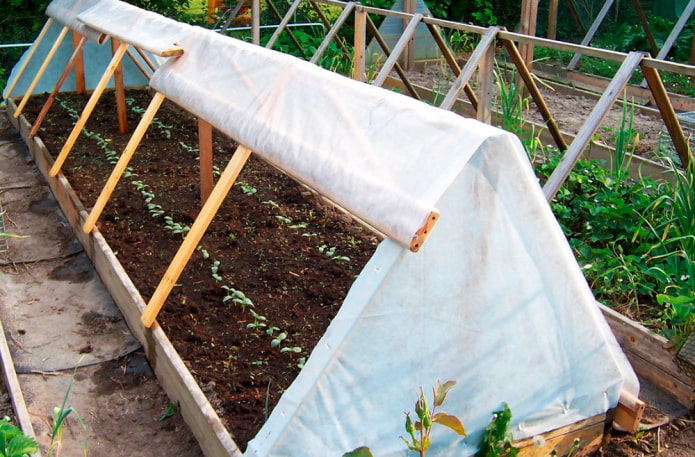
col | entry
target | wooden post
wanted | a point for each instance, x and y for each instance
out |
(398, 49)
(592, 124)
(87, 111)
(590, 34)
(80, 85)
(358, 61)
(529, 14)
(30, 54)
(486, 69)
(42, 69)
(410, 7)
(205, 151)
(121, 112)
(76, 55)
(486, 41)
(552, 19)
(387, 52)
(122, 163)
(231, 172)
(651, 75)
(333, 32)
(256, 22)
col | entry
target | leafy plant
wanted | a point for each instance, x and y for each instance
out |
(238, 297)
(13, 442)
(497, 441)
(331, 254)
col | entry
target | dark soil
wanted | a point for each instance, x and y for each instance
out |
(273, 240)
(271, 244)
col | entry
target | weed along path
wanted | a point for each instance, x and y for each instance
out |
(57, 315)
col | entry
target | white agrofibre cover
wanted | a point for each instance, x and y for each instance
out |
(494, 300)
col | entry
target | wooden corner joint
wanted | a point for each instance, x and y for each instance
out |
(424, 231)
(628, 413)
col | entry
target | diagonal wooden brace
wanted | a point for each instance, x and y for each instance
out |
(30, 54)
(224, 184)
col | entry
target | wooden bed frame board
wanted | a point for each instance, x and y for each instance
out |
(179, 384)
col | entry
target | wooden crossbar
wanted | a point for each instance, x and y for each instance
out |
(89, 107)
(333, 32)
(30, 54)
(328, 26)
(487, 40)
(41, 71)
(592, 124)
(123, 161)
(296, 42)
(76, 54)
(398, 49)
(200, 225)
(535, 93)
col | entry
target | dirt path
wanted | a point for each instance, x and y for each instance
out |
(57, 314)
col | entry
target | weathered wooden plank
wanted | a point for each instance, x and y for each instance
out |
(171, 372)
(580, 438)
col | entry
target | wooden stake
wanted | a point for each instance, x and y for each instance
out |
(656, 85)
(552, 19)
(486, 70)
(30, 54)
(76, 56)
(121, 112)
(592, 124)
(80, 85)
(205, 150)
(410, 7)
(194, 236)
(256, 22)
(39, 73)
(87, 111)
(529, 15)
(122, 163)
(398, 50)
(358, 61)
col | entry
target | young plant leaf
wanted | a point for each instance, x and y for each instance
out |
(362, 451)
(453, 422)
(441, 391)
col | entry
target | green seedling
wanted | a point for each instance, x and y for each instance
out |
(497, 441)
(331, 254)
(258, 320)
(246, 188)
(214, 272)
(237, 297)
(277, 341)
(171, 410)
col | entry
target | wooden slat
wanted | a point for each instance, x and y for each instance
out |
(283, 24)
(76, 55)
(651, 358)
(668, 114)
(256, 22)
(552, 19)
(170, 370)
(78, 43)
(397, 50)
(194, 236)
(592, 31)
(486, 41)
(486, 80)
(451, 60)
(30, 54)
(121, 113)
(588, 432)
(277, 14)
(360, 43)
(387, 52)
(329, 27)
(332, 33)
(205, 151)
(535, 93)
(89, 107)
(592, 124)
(122, 163)
(529, 15)
(409, 7)
(41, 70)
